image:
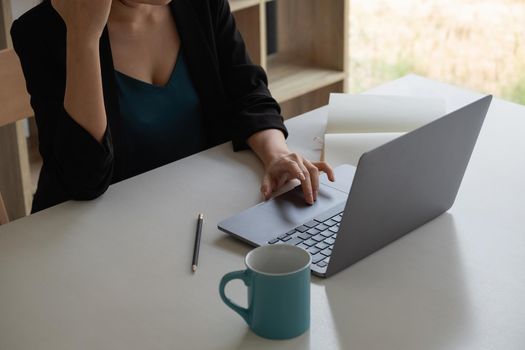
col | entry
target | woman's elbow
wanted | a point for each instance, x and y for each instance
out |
(88, 187)
(87, 193)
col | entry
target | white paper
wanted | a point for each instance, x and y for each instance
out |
(376, 113)
(359, 123)
(348, 148)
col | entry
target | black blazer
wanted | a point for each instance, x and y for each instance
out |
(233, 92)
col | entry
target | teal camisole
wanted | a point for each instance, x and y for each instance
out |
(164, 123)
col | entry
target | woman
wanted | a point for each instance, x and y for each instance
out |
(120, 87)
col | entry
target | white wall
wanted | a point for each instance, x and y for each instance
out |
(18, 7)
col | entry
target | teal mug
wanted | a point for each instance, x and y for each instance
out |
(278, 281)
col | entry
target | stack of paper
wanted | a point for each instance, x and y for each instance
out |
(359, 123)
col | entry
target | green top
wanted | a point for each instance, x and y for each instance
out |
(164, 122)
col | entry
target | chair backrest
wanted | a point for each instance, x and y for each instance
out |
(14, 100)
(4, 218)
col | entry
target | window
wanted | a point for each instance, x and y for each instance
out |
(479, 44)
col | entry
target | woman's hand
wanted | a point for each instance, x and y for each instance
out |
(282, 165)
(292, 166)
(85, 19)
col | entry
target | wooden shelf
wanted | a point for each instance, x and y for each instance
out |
(288, 79)
(237, 5)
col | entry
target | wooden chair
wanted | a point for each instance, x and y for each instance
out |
(14, 100)
(4, 218)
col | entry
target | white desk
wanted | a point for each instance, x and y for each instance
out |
(114, 273)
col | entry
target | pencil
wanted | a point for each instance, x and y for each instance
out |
(197, 243)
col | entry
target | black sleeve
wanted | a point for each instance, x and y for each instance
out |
(246, 83)
(81, 164)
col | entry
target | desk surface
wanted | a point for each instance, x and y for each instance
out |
(114, 273)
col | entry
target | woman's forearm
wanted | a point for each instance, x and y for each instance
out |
(268, 145)
(84, 99)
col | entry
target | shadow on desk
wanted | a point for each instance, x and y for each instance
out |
(252, 341)
(411, 295)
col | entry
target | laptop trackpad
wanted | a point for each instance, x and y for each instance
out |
(269, 219)
(291, 209)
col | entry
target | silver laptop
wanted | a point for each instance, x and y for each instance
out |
(395, 188)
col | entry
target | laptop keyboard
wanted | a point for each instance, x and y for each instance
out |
(317, 237)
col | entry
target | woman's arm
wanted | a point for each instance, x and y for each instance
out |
(84, 99)
(253, 108)
(78, 164)
(258, 116)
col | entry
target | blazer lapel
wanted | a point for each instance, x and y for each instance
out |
(201, 58)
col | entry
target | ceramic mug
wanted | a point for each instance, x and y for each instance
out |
(278, 281)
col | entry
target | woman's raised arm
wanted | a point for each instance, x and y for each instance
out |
(84, 100)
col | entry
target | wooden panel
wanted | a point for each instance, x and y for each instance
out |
(14, 99)
(35, 159)
(4, 218)
(249, 24)
(314, 32)
(15, 181)
(263, 37)
(5, 8)
(312, 100)
(288, 79)
(312, 53)
(236, 5)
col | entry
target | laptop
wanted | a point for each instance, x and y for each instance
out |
(394, 189)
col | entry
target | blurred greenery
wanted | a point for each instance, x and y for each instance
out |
(516, 93)
(395, 70)
(385, 71)
(476, 44)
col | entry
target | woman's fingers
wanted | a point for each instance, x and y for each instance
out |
(314, 177)
(323, 166)
(272, 182)
(293, 166)
(266, 187)
(306, 184)
(298, 166)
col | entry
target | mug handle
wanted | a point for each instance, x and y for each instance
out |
(242, 275)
